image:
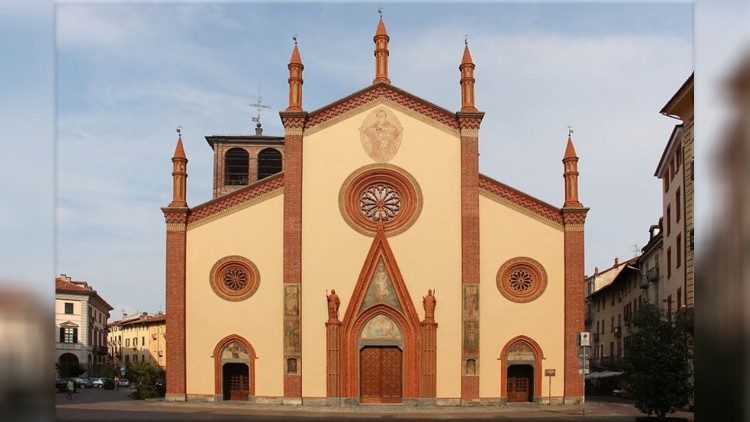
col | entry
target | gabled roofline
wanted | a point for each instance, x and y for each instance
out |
(672, 139)
(234, 199)
(387, 91)
(527, 202)
(677, 97)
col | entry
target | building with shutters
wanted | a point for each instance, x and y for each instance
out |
(394, 273)
(81, 326)
(138, 338)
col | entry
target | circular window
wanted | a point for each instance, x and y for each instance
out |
(234, 278)
(521, 279)
(380, 197)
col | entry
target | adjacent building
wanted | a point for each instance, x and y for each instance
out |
(676, 171)
(357, 273)
(81, 316)
(138, 338)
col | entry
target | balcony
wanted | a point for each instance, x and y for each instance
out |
(618, 331)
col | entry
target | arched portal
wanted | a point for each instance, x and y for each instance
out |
(68, 365)
(234, 369)
(381, 361)
(521, 370)
(269, 163)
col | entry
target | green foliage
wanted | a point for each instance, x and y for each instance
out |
(657, 362)
(143, 375)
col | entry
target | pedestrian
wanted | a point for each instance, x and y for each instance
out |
(71, 388)
(117, 382)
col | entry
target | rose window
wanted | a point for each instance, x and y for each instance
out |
(380, 203)
(380, 198)
(521, 279)
(235, 277)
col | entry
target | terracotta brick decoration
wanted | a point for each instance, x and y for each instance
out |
(294, 123)
(538, 371)
(355, 318)
(469, 123)
(574, 297)
(176, 219)
(428, 382)
(235, 198)
(385, 91)
(332, 358)
(524, 200)
(217, 361)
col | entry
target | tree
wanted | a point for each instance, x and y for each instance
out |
(657, 362)
(144, 376)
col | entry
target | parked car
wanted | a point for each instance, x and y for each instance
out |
(124, 383)
(98, 382)
(82, 382)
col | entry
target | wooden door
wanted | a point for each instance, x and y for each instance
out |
(236, 381)
(520, 383)
(380, 374)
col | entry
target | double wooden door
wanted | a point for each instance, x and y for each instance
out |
(236, 381)
(380, 374)
(520, 383)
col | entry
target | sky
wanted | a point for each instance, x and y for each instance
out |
(128, 74)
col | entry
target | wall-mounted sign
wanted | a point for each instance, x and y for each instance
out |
(549, 372)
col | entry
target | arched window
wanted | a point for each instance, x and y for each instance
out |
(236, 167)
(269, 163)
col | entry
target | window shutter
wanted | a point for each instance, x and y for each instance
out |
(75, 335)
(62, 335)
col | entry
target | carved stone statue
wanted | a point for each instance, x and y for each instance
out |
(429, 303)
(333, 306)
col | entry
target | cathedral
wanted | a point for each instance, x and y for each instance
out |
(396, 273)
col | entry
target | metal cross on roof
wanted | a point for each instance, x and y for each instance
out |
(380, 11)
(570, 130)
(258, 105)
(179, 130)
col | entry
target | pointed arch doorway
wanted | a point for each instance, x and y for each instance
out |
(234, 369)
(381, 361)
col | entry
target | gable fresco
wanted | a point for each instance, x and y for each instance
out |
(381, 134)
(380, 290)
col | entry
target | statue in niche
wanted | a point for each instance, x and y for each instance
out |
(381, 135)
(429, 303)
(291, 366)
(333, 306)
(471, 367)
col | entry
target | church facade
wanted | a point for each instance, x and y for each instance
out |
(396, 273)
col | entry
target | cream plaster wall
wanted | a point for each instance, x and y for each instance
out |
(428, 254)
(506, 234)
(255, 233)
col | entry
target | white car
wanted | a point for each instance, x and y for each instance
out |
(124, 383)
(98, 382)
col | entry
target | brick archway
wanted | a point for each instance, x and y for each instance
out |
(219, 349)
(355, 318)
(536, 363)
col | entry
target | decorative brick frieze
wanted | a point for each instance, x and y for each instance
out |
(236, 200)
(521, 201)
(378, 92)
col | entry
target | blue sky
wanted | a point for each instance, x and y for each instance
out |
(128, 74)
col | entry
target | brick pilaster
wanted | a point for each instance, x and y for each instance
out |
(176, 236)
(574, 219)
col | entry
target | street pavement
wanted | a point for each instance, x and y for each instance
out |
(116, 405)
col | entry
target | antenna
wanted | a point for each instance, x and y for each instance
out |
(636, 249)
(258, 104)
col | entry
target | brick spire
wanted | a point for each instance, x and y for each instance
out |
(179, 176)
(295, 80)
(381, 39)
(570, 164)
(467, 80)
